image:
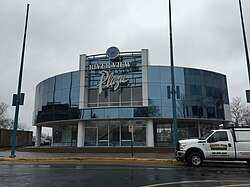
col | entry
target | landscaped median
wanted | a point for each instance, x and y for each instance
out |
(108, 159)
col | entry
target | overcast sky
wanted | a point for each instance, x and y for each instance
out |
(206, 34)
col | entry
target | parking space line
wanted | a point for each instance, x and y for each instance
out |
(201, 181)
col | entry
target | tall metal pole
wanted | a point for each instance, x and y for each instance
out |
(173, 92)
(18, 98)
(245, 40)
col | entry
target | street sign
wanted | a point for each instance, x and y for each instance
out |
(130, 128)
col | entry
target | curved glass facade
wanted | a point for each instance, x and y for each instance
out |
(57, 98)
(109, 95)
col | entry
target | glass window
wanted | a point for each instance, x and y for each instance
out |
(126, 112)
(92, 95)
(50, 84)
(98, 113)
(75, 79)
(154, 74)
(125, 135)
(75, 95)
(103, 97)
(114, 97)
(85, 114)
(58, 95)
(137, 93)
(163, 135)
(57, 136)
(103, 134)
(90, 136)
(211, 112)
(197, 111)
(154, 91)
(65, 96)
(195, 89)
(126, 94)
(218, 136)
(58, 82)
(66, 80)
(50, 97)
(111, 113)
(166, 111)
(165, 75)
(139, 136)
(114, 134)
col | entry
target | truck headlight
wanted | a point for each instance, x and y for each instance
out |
(182, 146)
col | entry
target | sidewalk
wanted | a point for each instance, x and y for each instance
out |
(101, 156)
(64, 155)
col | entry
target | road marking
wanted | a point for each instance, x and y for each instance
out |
(233, 185)
(201, 181)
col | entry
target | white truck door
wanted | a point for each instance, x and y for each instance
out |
(219, 146)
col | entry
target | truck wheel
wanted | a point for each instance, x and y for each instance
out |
(248, 163)
(195, 159)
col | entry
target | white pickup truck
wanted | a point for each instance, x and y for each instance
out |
(221, 144)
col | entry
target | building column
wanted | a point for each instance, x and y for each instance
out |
(150, 133)
(38, 136)
(80, 134)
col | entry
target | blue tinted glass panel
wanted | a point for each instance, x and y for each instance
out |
(126, 112)
(166, 102)
(65, 96)
(66, 80)
(195, 90)
(50, 84)
(75, 79)
(154, 91)
(41, 85)
(154, 102)
(44, 99)
(211, 112)
(164, 93)
(58, 81)
(75, 94)
(85, 114)
(50, 97)
(167, 112)
(154, 74)
(111, 113)
(58, 95)
(165, 75)
(98, 113)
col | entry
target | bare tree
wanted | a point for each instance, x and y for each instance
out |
(182, 107)
(5, 121)
(240, 112)
(23, 127)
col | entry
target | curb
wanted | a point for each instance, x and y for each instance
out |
(107, 159)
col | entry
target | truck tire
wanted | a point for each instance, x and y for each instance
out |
(195, 159)
(248, 163)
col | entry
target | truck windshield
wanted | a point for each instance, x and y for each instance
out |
(206, 135)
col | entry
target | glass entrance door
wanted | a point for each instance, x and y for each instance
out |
(90, 137)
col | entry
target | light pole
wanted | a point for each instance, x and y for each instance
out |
(18, 98)
(246, 50)
(173, 92)
(245, 40)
